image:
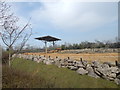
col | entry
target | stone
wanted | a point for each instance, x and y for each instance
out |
(57, 63)
(109, 63)
(65, 59)
(79, 65)
(91, 72)
(103, 70)
(65, 64)
(51, 59)
(70, 64)
(73, 67)
(30, 57)
(53, 62)
(106, 73)
(105, 66)
(117, 81)
(61, 61)
(57, 59)
(74, 61)
(44, 61)
(82, 71)
(112, 75)
(114, 69)
(38, 61)
(99, 71)
(88, 65)
(70, 61)
(96, 64)
(84, 62)
(35, 59)
(48, 62)
(118, 75)
(43, 57)
(62, 66)
(117, 64)
(109, 78)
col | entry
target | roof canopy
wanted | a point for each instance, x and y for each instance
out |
(48, 38)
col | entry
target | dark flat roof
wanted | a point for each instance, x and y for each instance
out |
(48, 38)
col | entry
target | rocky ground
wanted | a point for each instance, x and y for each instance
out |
(106, 70)
(95, 50)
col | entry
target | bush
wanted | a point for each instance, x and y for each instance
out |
(5, 56)
(13, 78)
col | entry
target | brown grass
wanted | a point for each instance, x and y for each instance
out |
(103, 57)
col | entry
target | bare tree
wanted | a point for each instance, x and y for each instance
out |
(11, 32)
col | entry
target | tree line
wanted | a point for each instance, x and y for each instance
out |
(81, 45)
(91, 45)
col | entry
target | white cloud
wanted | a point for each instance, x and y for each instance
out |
(72, 15)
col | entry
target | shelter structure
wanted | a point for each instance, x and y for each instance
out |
(46, 39)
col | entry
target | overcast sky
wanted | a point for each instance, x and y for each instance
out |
(72, 22)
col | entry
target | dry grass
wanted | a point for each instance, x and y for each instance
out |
(55, 77)
(18, 78)
(102, 57)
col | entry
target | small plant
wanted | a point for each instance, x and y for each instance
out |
(13, 78)
(5, 56)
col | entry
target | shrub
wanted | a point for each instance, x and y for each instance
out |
(13, 78)
(5, 56)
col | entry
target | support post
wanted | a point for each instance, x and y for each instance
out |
(46, 47)
(53, 43)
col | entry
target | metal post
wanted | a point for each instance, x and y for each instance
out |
(45, 46)
(53, 43)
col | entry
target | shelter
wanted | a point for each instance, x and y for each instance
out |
(46, 39)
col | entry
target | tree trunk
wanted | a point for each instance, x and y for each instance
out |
(9, 58)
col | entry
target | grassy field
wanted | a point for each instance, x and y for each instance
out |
(59, 77)
(102, 57)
